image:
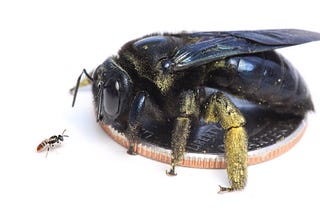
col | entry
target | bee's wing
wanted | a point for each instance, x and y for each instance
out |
(205, 47)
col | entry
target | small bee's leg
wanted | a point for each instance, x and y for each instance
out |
(220, 109)
(134, 124)
(189, 109)
(47, 151)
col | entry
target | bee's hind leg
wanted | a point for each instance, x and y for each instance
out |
(220, 109)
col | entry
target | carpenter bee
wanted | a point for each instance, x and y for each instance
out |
(180, 91)
(51, 142)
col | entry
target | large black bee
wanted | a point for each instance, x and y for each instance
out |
(165, 88)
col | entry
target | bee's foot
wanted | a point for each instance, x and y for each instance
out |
(225, 189)
(172, 171)
(131, 150)
(229, 189)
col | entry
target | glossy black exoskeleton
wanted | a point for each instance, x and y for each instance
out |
(159, 87)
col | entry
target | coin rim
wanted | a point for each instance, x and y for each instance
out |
(206, 160)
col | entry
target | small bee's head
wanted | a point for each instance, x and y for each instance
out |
(112, 89)
(62, 136)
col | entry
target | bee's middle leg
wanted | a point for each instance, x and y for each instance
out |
(179, 140)
(188, 111)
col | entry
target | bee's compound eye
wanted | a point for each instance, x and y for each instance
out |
(111, 93)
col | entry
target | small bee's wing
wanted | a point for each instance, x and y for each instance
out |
(205, 47)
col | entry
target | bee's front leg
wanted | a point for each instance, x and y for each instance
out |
(189, 110)
(220, 109)
(134, 124)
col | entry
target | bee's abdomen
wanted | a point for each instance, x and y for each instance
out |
(42, 146)
(267, 79)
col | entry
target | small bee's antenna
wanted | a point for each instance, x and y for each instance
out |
(63, 133)
(75, 89)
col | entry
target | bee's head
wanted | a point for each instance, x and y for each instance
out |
(61, 136)
(112, 89)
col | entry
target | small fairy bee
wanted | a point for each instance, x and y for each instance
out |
(51, 142)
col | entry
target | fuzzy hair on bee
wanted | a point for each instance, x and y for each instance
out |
(176, 92)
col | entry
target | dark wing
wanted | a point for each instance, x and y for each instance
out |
(205, 47)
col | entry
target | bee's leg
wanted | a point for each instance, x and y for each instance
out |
(134, 124)
(132, 138)
(189, 109)
(47, 151)
(220, 109)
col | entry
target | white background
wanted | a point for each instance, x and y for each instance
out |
(43, 48)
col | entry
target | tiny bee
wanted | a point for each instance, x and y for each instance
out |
(51, 142)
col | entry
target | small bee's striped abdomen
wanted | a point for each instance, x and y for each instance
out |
(42, 146)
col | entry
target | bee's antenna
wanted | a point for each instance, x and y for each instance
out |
(75, 89)
(63, 133)
(100, 95)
